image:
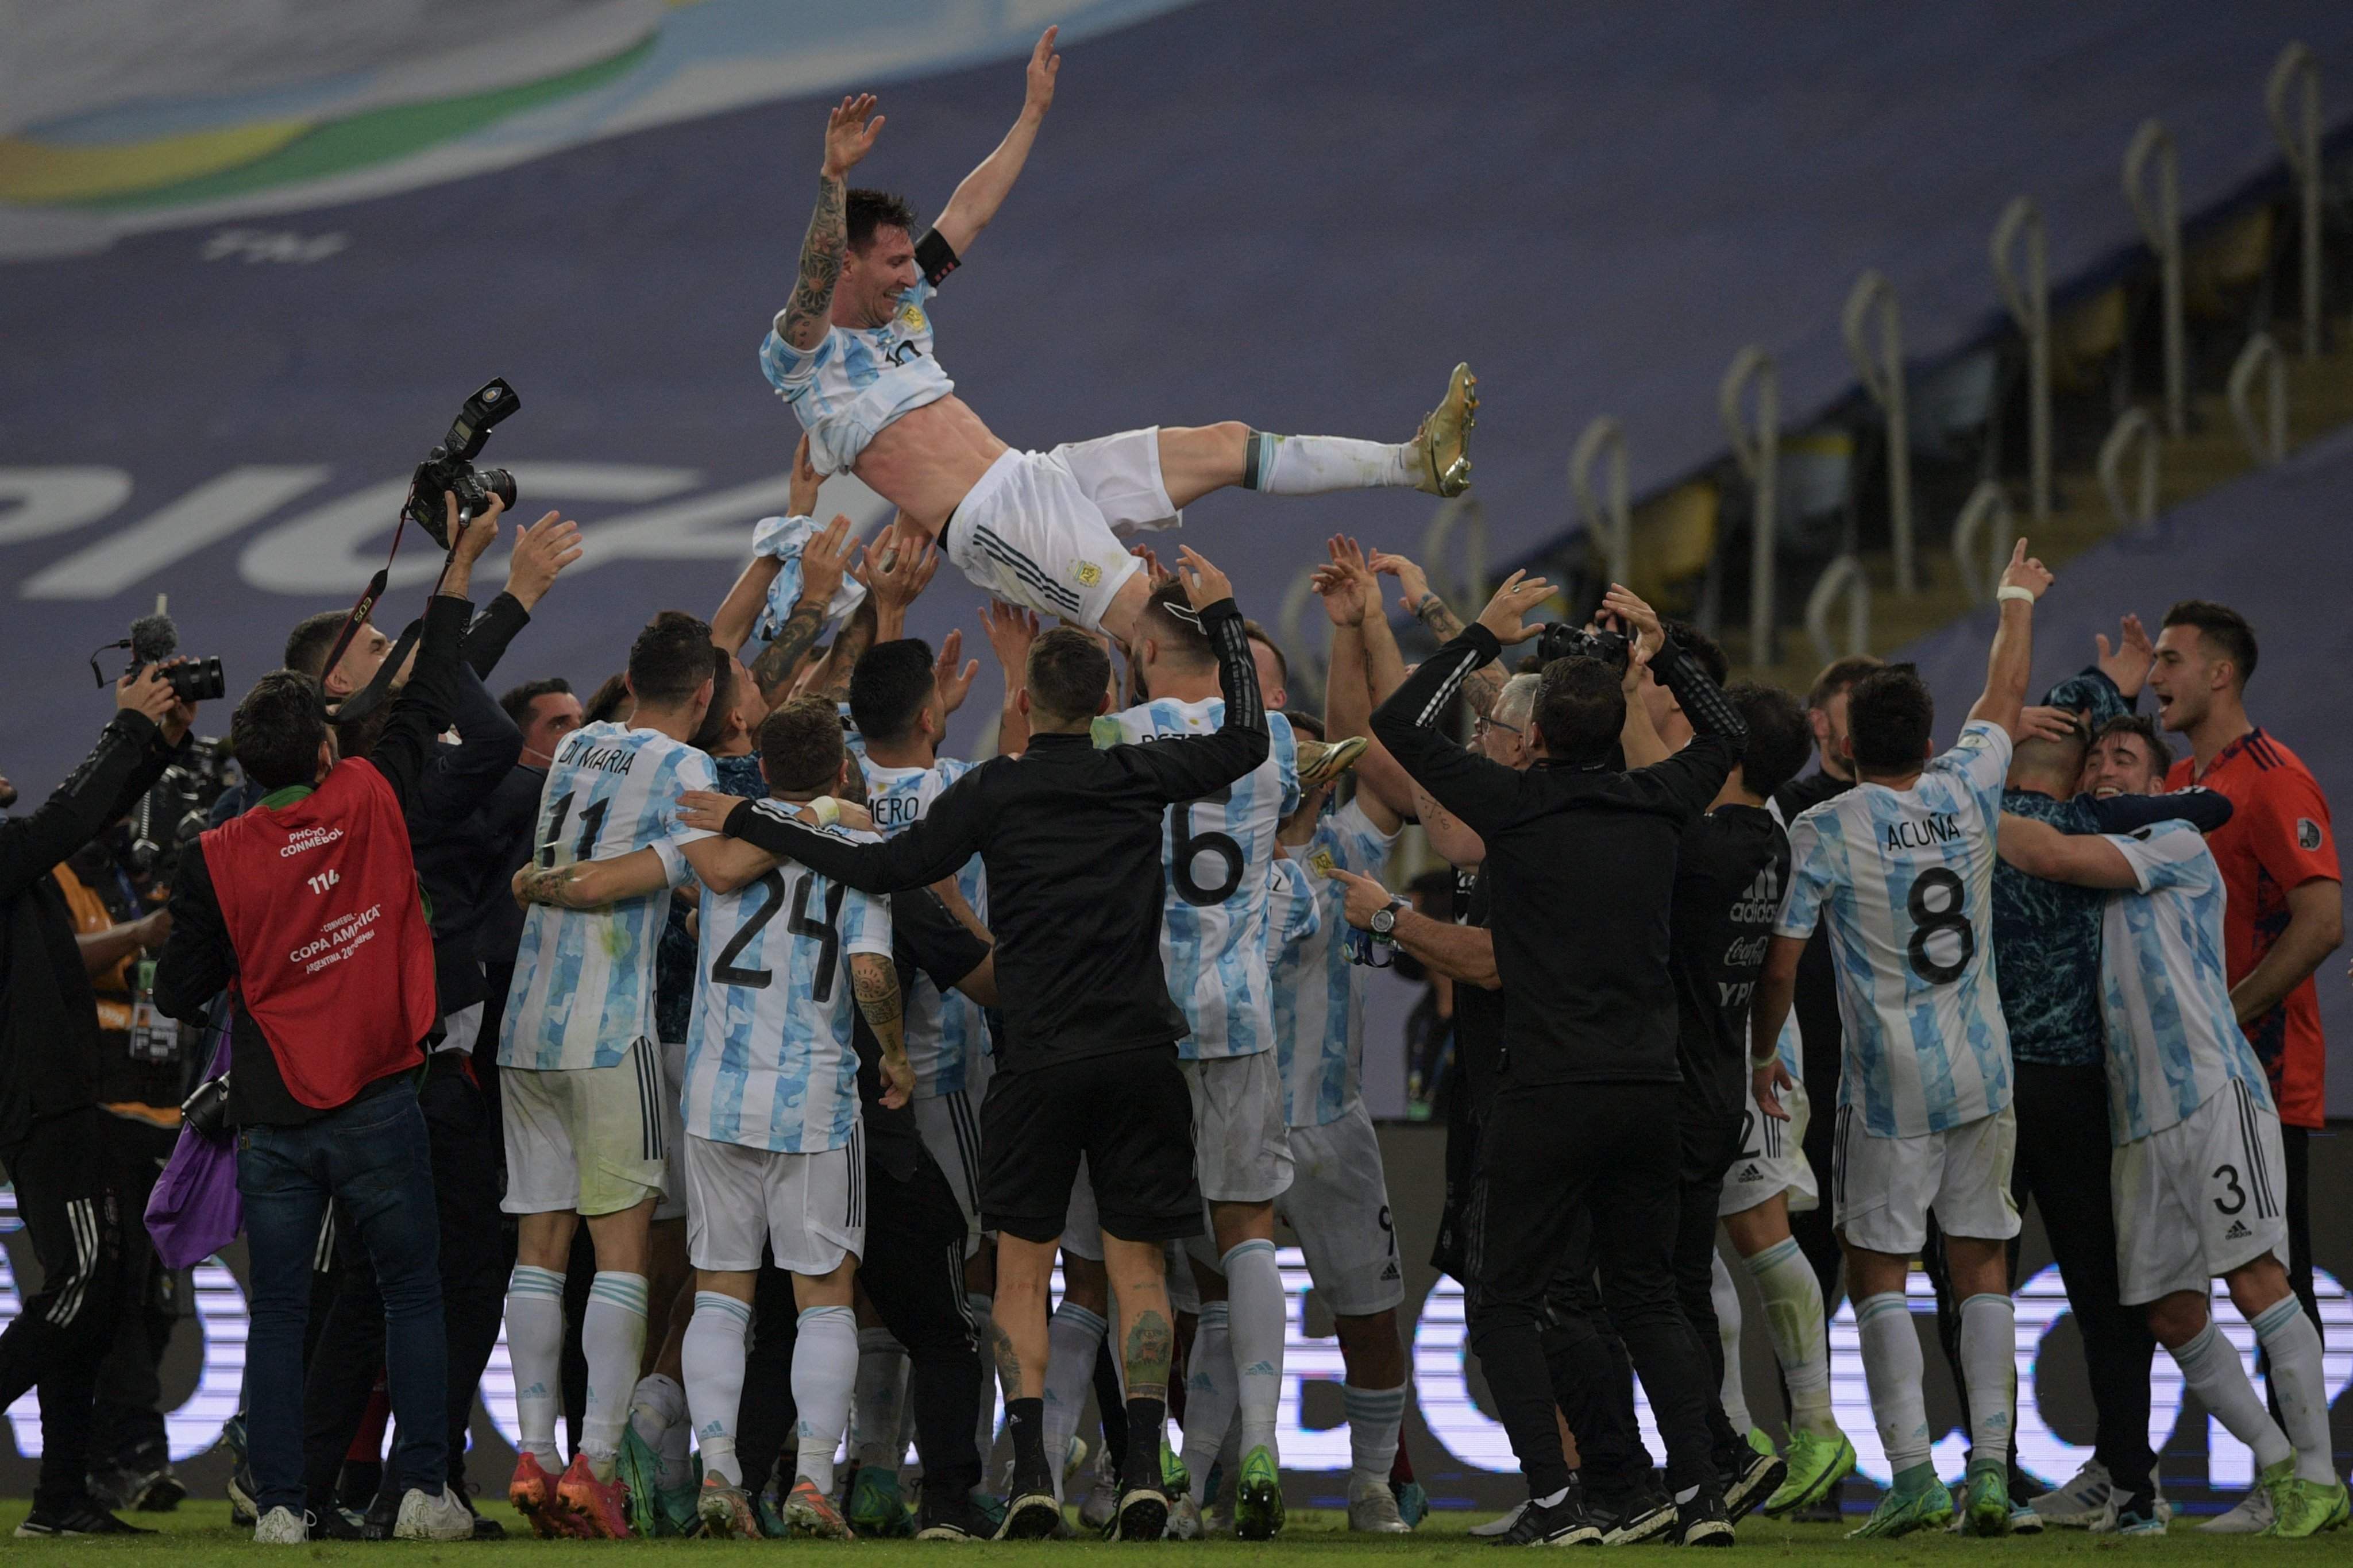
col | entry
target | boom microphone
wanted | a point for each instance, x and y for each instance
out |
(154, 638)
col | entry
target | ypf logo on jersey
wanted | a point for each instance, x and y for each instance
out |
(2307, 834)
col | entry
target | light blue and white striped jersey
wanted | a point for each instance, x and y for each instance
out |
(2173, 1037)
(1319, 1000)
(947, 1035)
(1215, 860)
(772, 1055)
(583, 980)
(857, 381)
(1907, 878)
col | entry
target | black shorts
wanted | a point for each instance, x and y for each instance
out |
(1128, 1114)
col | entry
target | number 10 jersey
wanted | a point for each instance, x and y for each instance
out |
(1216, 856)
(1906, 879)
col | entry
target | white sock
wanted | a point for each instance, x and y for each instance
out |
(2211, 1366)
(984, 1432)
(1074, 1335)
(1312, 465)
(1374, 1417)
(825, 1367)
(535, 1349)
(1989, 1368)
(1260, 1315)
(713, 1354)
(612, 1339)
(1726, 1298)
(878, 1399)
(657, 1414)
(1793, 1316)
(1891, 1371)
(2296, 1381)
(1209, 1394)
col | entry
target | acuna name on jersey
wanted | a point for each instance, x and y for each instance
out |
(1940, 827)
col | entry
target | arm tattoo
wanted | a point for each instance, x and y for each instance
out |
(1150, 1346)
(848, 649)
(774, 668)
(806, 317)
(877, 984)
(545, 885)
(1484, 686)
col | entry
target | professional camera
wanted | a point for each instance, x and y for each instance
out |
(1561, 640)
(449, 468)
(154, 639)
(176, 807)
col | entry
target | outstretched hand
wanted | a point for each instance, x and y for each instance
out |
(2025, 571)
(2128, 663)
(849, 135)
(825, 560)
(1506, 612)
(541, 553)
(952, 686)
(1011, 629)
(1413, 583)
(1044, 66)
(1204, 583)
(800, 491)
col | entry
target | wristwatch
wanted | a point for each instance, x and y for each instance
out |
(1384, 920)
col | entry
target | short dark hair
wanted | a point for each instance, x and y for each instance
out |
(1069, 673)
(2140, 724)
(1779, 739)
(313, 639)
(671, 659)
(1580, 709)
(722, 701)
(1701, 647)
(1169, 620)
(1889, 717)
(1839, 675)
(867, 210)
(890, 686)
(1258, 633)
(276, 729)
(2224, 627)
(517, 700)
(801, 747)
(605, 703)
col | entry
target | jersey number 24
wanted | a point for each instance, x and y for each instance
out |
(824, 929)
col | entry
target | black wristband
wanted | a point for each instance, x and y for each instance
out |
(935, 256)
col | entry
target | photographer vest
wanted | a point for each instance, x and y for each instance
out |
(334, 958)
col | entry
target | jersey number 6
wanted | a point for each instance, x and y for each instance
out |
(1184, 843)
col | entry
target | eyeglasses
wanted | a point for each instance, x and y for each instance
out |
(1483, 725)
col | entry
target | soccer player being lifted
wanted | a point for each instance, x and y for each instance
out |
(852, 352)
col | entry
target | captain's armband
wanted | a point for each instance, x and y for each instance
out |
(935, 256)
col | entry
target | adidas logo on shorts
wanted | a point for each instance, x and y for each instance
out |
(2238, 1231)
(1750, 1175)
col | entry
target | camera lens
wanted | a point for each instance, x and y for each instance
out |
(198, 680)
(500, 483)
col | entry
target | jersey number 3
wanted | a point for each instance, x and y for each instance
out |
(826, 929)
(1928, 922)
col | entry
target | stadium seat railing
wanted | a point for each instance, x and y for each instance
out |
(1983, 533)
(1843, 576)
(1609, 517)
(2027, 300)
(2297, 73)
(2261, 359)
(1755, 447)
(2158, 212)
(1880, 369)
(2134, 439)
(1463, 519)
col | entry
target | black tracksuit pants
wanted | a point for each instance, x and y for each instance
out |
(127, 1417)
(1595, 1151)
(1710, 1143)
(349, 1356)
(74, 1219)
(913, 1274)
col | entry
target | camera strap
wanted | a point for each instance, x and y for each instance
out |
(369, 697)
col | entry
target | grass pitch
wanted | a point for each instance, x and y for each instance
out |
(198, 1534)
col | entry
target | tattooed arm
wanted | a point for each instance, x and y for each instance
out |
(876, 981)
(832, 681)
(805, 321)
(592, 884)
(823, 562)
(1484, 685)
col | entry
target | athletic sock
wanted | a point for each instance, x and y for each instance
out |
(1147, 1417)
(1261, 1314)
(1891, 1371)
(1792, 1293)
(1312, 465)
(1209, 1394)
(1374, 1417)
(1074, 1335)
(535, 1349)
(712, 1353)
(878, 1399)
(2211, 1366)
(658, 1415)
(2294, 1345)
(1025, 1423)
(613, 1341)
(1110, 1405)
(1724, 1297)
(1989, 1371)
(982, 1308)
(825, 1368)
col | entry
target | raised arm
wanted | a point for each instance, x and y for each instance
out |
(824, 561)
(2086, 859)
(2023, 581)
(1479, 790)
(739, 612)
(1010, 630)
(985, 189)
(1191, 766)
(1486, 685)
(848, 133)
(1353, 683)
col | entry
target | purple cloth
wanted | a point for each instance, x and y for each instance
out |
(195, 1209)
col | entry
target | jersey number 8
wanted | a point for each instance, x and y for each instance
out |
(1927, 922)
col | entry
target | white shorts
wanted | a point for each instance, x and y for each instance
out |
(1339, 1207)
(673, 1124)
(584, 1139)
(811, 1208)
(1241, 1145)
(1042, 529)
(1884, 1189)
(1772, 1158)
(950, 1125)
(2199, 1198)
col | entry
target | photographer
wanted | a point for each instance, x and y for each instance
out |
(50, 1139)
(307, 907)
(1580, 858)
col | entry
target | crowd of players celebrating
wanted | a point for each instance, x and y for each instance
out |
(836, 1045)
